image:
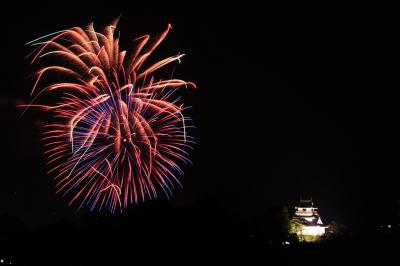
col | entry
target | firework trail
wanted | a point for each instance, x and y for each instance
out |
(120, 132)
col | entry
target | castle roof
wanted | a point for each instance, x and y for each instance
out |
(306, 203)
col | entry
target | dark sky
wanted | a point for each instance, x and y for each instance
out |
(292, 102)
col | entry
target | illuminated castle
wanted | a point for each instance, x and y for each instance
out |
(306, 220)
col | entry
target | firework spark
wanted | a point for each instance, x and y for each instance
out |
(120, 132)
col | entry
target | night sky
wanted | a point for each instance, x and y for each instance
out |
(290, 103)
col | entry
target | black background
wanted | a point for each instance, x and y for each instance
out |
(292, 101)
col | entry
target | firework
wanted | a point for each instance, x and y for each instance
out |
(120, 133)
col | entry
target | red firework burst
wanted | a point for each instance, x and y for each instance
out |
(120, 133)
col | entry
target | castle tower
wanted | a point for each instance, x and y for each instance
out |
(307, 216)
